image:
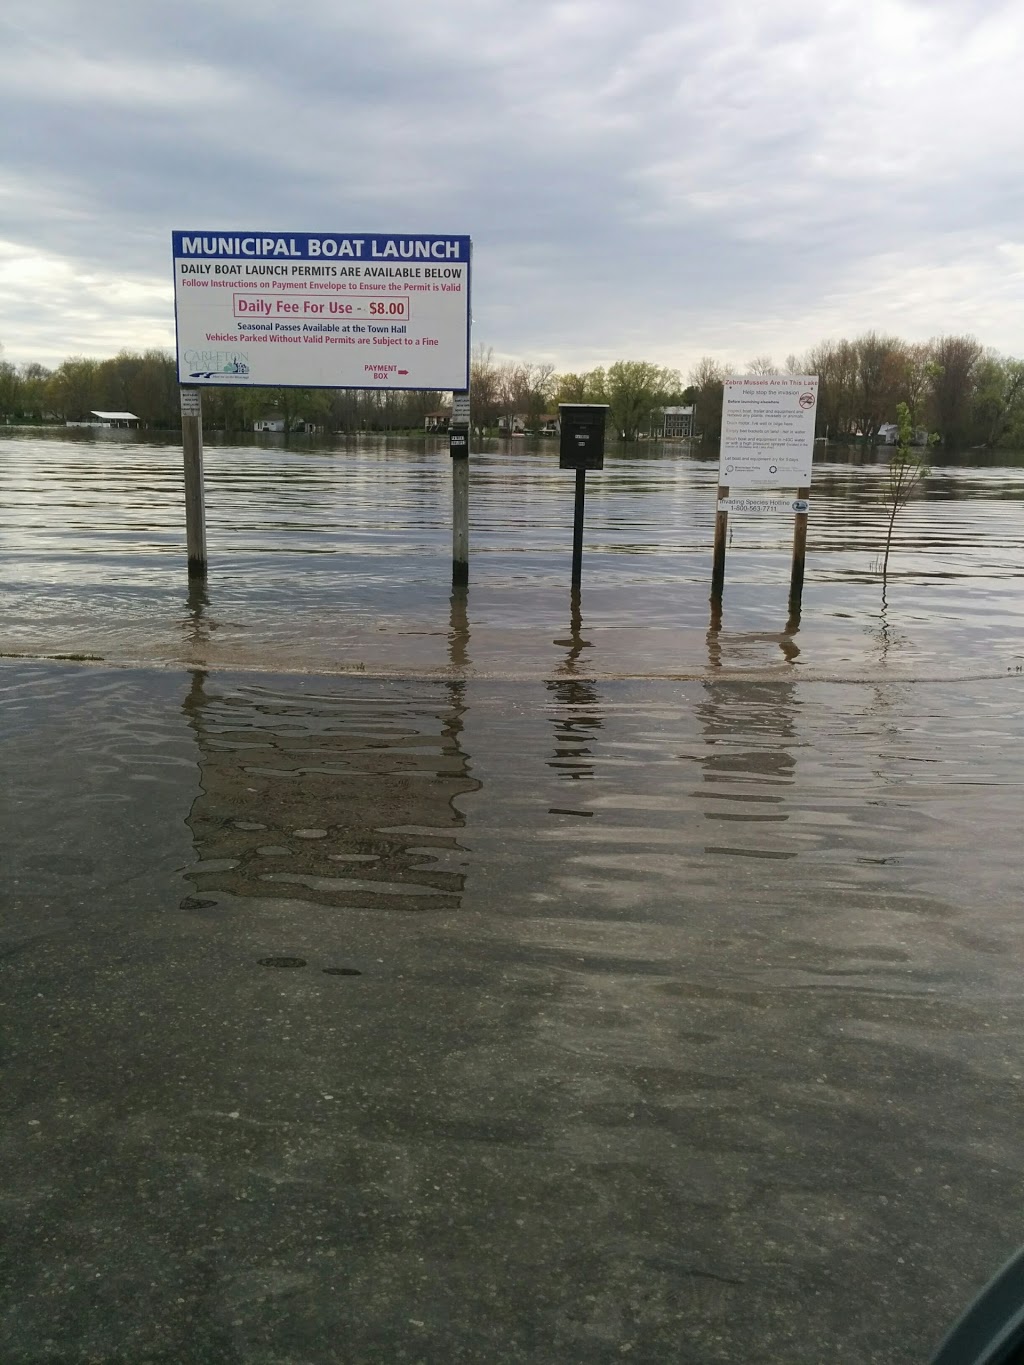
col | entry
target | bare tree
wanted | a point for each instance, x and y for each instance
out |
(10, 387)
(707, 389)
(510, 394)
(880, 373)
(917, 373)
(954, 361)
(538, 388)
(835, 364)
(483, 387)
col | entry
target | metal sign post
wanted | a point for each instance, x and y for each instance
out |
(579, 508)
(458, 446)
(581, 447)
(195, 502)
(718, 557)
(796, 580)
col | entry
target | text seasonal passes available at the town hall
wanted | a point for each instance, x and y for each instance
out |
(322, 309)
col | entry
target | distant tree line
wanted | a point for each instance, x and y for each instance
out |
(146, 384)
(634, 390)
(951, 385)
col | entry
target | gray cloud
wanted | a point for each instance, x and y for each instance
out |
(654, 181)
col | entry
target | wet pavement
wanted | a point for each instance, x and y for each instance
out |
(393, 973)
(568, 1018)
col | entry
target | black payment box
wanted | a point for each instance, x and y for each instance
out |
(582, 440)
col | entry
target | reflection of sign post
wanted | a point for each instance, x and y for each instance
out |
(767, 442)
(581, 447)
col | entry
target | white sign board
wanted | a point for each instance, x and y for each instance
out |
(460, 409)
(768, 431)
(787, 506)
(322, 310)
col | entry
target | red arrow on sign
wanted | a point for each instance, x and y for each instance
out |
(403, 371)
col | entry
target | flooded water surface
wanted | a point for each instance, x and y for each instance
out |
(393, 973)
(337, 556)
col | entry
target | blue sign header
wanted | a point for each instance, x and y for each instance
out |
(318, 246)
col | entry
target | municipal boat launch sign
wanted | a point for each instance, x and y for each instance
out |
(322, 310)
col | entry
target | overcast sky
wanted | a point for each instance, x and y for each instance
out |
(642, 179)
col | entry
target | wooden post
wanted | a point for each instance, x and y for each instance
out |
(577, 529)
(458, 446)
(460, 519)
(718, 560)
(195, 505)
(796, 582)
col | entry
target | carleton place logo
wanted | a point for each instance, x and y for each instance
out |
(216, 364)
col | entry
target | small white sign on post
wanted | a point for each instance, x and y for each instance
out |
(768, 431)
(460, 409)
(783, 506)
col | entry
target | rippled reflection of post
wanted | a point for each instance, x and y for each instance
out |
(574, 643)
(787, 643)
(458, 626)
(740, 642)
(339, 792)
(197, 624)
(194, 707)
(458, 658)
(714, 641)
(576, 724)
(749, 727)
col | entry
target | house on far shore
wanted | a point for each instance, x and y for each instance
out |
(518, 424)
(437, 421)
(889, 435)
(676, 424)
(107, 420)
(273, 421)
